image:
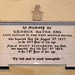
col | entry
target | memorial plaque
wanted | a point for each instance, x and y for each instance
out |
(35, 43)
